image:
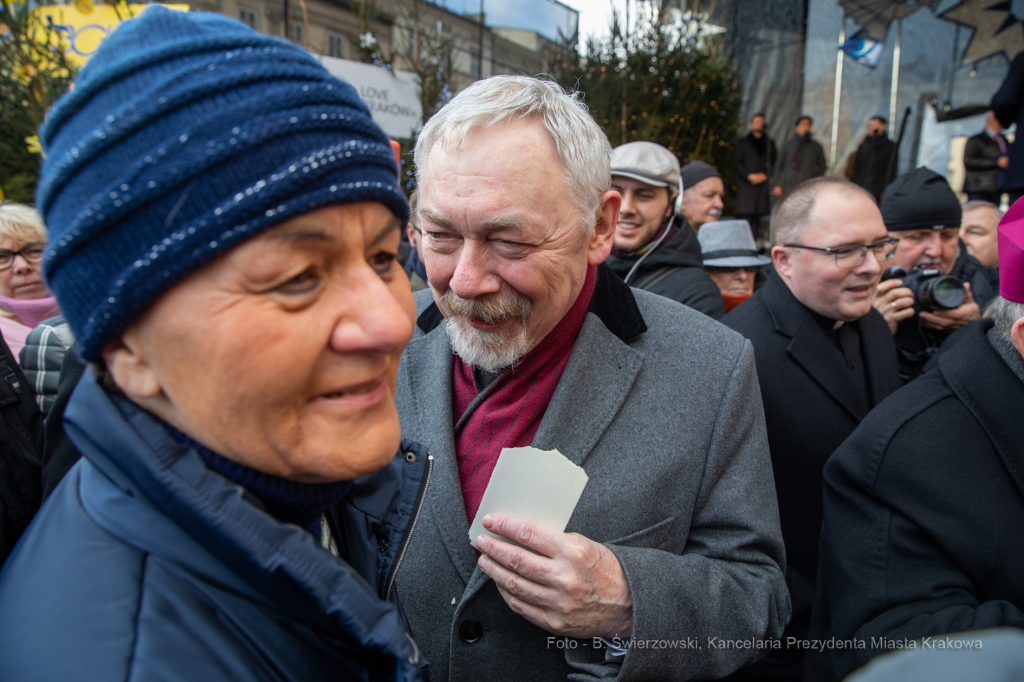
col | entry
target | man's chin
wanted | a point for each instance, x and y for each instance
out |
(492, 351)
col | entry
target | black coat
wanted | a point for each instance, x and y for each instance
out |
(21, 445)
(810, 405)
(752, 157)
(810, 402)
(924, 513)
(1007, 106)
(871, 164)
(812, 163)
(674, 270)
(915, 344)
(981, 160)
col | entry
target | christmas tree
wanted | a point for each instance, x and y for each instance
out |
(663, 79)
(33, 74)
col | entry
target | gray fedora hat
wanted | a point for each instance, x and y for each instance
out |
(729, 244)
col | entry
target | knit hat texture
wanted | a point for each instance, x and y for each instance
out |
(185, 135)
(695, 171)
(920, 200)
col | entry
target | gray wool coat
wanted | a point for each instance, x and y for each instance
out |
(661, 406)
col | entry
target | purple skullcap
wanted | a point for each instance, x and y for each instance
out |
(1011, 254)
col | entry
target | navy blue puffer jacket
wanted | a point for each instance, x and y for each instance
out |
(146, 565)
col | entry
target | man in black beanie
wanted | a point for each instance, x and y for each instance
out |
(703, 192)
(921, 210)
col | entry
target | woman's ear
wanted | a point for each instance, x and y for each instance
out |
(129, 370)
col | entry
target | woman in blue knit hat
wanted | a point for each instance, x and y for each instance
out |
(224, 220)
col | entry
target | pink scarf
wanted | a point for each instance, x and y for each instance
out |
(513, 406)
(30, 311)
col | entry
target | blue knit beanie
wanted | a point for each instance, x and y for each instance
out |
(185, 135)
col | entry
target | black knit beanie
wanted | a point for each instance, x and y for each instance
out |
(920, 200)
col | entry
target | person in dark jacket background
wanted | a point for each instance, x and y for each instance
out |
(825, 358)
(801, 158)
(986, 156)
(1008, 106)
(755, 162)
(924, 504)
(655, 249)
(243, 494)
(921, 210)
(871, 163)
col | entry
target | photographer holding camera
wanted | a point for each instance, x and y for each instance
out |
(938, 286)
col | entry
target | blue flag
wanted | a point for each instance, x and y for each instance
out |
(863, 48)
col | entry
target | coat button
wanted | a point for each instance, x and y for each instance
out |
(470, 631)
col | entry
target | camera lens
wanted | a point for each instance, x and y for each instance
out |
(943, 293)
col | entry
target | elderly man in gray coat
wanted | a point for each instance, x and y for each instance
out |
(672, 563)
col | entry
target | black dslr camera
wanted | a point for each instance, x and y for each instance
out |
(932, 290)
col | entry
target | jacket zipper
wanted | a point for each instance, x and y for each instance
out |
(412, 527)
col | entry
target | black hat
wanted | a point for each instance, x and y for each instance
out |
(920, 200)
(695, 171)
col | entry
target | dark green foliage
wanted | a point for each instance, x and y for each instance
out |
(658, 85)
(32, 77)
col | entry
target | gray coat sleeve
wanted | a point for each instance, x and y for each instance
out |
(728, 587)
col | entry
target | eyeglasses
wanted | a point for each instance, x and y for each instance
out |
(31, 252)
(854, 256)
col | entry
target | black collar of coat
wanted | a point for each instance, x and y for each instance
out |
(990, 391)
(613, 303)
(812, 350)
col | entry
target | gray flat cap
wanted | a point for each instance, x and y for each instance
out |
(729, 244)
(647, 162)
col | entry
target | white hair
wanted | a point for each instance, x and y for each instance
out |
(582, 146)
(1005, 313)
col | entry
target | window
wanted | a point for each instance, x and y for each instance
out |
(474, 65)
(296, 29)
(249, 18)
(335, 45)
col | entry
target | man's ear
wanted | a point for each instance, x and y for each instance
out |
(129, 370)
(604, 228)
(781, 259)
(1017, 334)
(671, 209)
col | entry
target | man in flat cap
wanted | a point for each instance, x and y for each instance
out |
(924, 504)
(703, 194)
(654, 248)
(800, 158)
(921, 210)
(825, 358)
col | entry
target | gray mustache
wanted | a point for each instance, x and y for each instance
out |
(496, 308)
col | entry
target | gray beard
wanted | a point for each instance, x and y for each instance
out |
(492, 352)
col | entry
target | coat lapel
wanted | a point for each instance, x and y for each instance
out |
(430, 395)
(810, 348)
(879, 351)
(596, 381)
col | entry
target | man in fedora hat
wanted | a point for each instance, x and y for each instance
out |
(654, 248)
(731, 259)
(825, 358)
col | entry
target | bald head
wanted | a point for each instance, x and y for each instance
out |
(794, 214)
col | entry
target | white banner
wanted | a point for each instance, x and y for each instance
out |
(393, 96)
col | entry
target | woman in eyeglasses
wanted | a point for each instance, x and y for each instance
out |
(24, 299)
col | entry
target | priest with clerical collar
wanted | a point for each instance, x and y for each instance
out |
(825, 358)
